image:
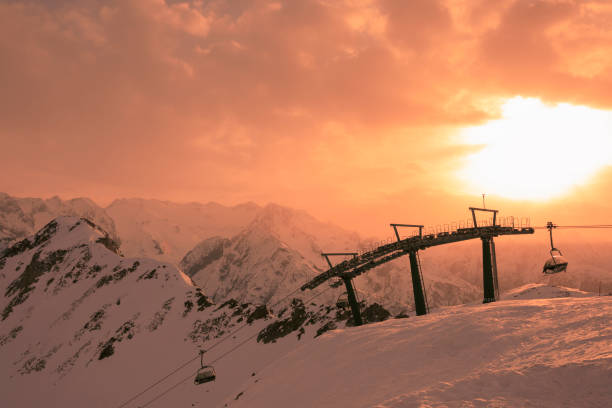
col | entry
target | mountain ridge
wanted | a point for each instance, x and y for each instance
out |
(76, 314)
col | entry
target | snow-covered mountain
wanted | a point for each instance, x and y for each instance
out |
(20, 217)
(281, 249)
(256, 254)
(526, 352)
(166, 231)
(83, 326)
(276, 253)
(253, 264)
(253, 254)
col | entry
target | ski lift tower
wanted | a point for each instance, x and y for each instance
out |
(418, 286)
(489, 261)
(348, 283)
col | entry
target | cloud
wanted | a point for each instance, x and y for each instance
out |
(274, 100)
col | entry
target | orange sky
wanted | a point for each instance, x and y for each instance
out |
(348, 109)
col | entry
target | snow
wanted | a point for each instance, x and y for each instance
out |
(20, 217)
(271, 256)
(76, 297)
(550, 352)
(540, 346)
(281, 248)
(542, 291)
(267, 249)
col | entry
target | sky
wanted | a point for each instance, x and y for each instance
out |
(361, 112)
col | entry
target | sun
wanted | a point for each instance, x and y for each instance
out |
(536, 151)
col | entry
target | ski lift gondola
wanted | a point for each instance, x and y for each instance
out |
(557, 262)
(205, 373)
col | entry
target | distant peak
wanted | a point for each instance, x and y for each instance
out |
(249, 205)
(54, 199)
(273, 208)
(86, 200)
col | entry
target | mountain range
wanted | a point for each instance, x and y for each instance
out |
(258, 253)
(80, 316)
(79, 320)
(21, 217)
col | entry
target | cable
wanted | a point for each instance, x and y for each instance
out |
(223, 355)
(578, 226)
(585, 226)
(165, 392)
(158, 381)
(210, 348)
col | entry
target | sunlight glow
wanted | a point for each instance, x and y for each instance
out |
(537, 151)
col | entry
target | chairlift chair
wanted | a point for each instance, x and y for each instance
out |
(342, 301)
(557, 262)
(206, 373)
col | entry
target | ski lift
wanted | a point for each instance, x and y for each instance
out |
(342, 301)
(205, 373)
(557, 262)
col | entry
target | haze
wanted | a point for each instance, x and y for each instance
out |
(360, 112)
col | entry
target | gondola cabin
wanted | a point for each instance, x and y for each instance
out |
(204, 375)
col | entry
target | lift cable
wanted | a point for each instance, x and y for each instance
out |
(186, 363)
(221, 356)
(578, 226)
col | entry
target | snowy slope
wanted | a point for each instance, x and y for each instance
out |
(20, 217)
(76, 316)
(554, 352)
(167, 231)
(82, 326)
(541, 291)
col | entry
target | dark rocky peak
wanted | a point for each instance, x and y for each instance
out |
(39, 239)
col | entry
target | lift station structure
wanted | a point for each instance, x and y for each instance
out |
(361, 263)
